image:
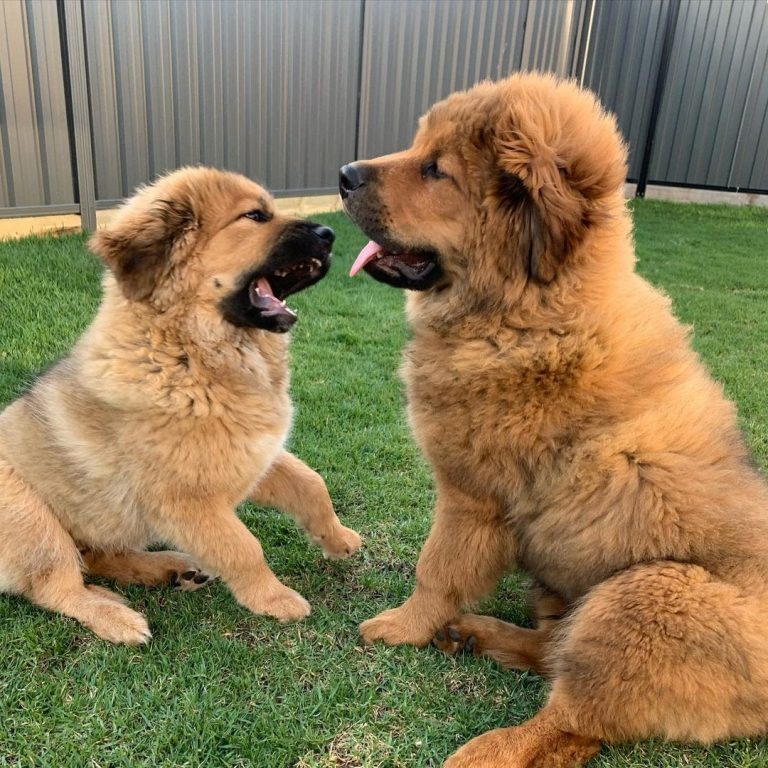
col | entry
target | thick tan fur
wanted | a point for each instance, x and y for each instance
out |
(573, 433)
(161, 420)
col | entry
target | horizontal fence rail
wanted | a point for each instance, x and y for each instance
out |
(99, 96)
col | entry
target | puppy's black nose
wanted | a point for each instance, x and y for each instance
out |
(350, 179)
(325, 233)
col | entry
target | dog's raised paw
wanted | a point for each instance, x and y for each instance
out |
(341, 544)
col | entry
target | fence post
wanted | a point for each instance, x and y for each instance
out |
(359, 103)
(661, 80)
(81, 111)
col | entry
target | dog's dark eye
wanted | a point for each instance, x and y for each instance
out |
(431, 170)
(257, 215)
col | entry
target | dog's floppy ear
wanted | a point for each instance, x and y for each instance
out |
(543, 257)
(568, 158)
(138, 247)
(547, 211)
(533, 248)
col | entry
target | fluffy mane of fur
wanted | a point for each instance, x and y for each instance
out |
(573, 432)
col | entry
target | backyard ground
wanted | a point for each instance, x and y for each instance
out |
(220, 687)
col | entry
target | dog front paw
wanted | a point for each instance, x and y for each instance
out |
(342, 543)
(287, 605)
(113, 621)
(396, 627)
(279, 601)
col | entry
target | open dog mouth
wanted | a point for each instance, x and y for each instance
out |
(267, 293)
(416, 269)
(300, 257)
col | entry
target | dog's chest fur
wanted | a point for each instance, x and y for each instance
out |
(588, 483)
(512, 423)
(494, 415)
(108, 441)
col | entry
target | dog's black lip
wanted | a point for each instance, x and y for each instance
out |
(284, 286)
(299, 243)
(404, 276)
(282, 320)
(399, 273)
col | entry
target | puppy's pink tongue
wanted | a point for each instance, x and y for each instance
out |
(369, 253)
(263, 298)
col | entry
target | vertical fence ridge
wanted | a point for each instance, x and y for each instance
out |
(81, 112)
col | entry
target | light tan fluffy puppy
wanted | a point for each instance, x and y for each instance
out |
(171, 409)
(572, 431)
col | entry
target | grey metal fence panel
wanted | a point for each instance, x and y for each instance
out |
(104, 99)
(266, 87)
(35, 161)
(622, 64)
(551, 30)
(750, 163)
(287, 90)
(416, 52)
(707, 108)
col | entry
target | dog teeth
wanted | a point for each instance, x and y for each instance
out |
(302, 266)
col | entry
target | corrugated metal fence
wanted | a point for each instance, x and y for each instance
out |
(97, 96)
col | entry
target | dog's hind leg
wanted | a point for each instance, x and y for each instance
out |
(291, 486)
(39, 560)
(148, 568)
(661, 650)
(547, 606)
(542, 742)
(511, 646)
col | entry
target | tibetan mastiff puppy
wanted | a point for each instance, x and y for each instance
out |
(171, 409)
(572, 431)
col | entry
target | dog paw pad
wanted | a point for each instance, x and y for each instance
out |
(450, 640)
(188, 580)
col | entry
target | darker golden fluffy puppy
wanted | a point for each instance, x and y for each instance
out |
(572, 431)
(172, 408)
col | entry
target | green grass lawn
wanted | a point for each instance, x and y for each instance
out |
(220, 687)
